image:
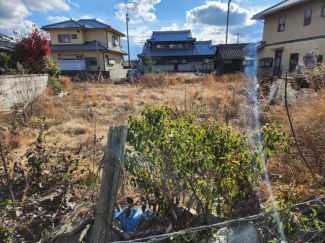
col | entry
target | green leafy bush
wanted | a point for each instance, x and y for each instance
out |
(56, 86)
(216, 168)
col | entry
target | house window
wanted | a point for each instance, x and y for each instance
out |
(265, 62)
(74, 36)
(172, 61)
(91, 61)
(180, 45)
(160, 46)
(308, 14)
(111, 61)
(64, 39)
(172, 46)
(115, 41)
(323, 11)
(79, 57)
(282, 22)
(294, 59)
(184, 61)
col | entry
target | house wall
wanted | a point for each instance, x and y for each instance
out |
(55, 36)
(314, 34)
(102, 59)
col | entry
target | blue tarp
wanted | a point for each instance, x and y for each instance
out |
(129, 223)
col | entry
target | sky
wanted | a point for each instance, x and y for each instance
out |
(205, 18)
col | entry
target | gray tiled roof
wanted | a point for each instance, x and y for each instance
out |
(280, 6)
(5, 37)
(200, 48)
(88, 46)
(64, 25)
(81, 23)
(231, 51)
(180, 35)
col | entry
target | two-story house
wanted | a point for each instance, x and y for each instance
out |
(6, 44)
(177, 51)
(294, 33)
(85, 44)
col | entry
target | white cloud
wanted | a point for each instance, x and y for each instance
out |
(141, 10)
(215, 13)
(41, 5)
(12, 14)
(73, 3)
(55, 19)
(139, 35)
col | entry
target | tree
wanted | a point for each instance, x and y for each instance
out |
(215, 167)
(32, 50)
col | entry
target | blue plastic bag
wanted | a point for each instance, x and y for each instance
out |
(129, 223)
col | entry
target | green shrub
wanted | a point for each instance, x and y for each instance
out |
(56, 86)
(207, 161)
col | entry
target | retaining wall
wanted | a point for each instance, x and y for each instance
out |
(16, 89)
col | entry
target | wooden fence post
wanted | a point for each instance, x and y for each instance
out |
(113, 162)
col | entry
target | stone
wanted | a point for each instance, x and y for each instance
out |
(243, 234)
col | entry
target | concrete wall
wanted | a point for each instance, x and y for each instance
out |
(16, 89)
(118, 74)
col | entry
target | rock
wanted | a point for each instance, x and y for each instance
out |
(236, 234)
(243, 234)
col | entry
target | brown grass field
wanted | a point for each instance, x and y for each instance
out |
(80, 119)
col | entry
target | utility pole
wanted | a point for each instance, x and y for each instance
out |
(127, 30)
(228, 21)
(127, 33)
(239, 35)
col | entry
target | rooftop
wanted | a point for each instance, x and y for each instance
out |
(231, 51)
(200, 48)
(87, 46)
(81, 23)
(278, 7)
(180, 35)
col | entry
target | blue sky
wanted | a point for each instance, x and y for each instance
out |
(206, 18)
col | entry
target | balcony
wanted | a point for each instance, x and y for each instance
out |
(72, 65)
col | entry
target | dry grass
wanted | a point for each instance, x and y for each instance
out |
(66, 82)
(90, 108)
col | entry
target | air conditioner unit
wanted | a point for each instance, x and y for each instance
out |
(111, 61)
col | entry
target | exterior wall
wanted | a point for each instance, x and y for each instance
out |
(96, 34)
(110, 41)
(193, 67)
(55, 36)
(16, 89)
(294, 25)
(288, 40)
(118, 61)
(102, 57)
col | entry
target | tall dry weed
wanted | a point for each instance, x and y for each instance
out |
(94, 99)
(66, 82)
(131, 99)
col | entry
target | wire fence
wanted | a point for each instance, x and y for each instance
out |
(302, 222)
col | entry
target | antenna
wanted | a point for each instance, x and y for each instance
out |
(127, 28)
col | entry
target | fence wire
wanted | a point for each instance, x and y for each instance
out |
(304, 221)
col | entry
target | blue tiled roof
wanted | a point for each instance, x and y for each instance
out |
(200, 48)
(181, 35)
(88, 46)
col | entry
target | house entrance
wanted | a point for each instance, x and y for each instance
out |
(175, 67)
(277, 63)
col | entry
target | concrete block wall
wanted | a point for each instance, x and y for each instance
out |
(15, 89)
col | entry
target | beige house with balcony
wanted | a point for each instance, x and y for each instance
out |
(294, 33)
(85, 45)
